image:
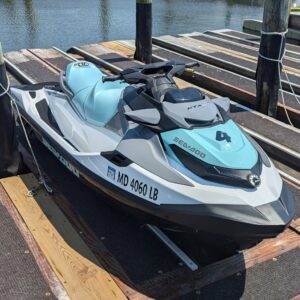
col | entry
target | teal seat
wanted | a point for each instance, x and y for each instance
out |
(96, 101)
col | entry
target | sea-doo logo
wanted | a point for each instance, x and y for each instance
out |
(190, 148)
(254, 180)
(82, 64)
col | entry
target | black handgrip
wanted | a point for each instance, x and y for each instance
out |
(193, 64)
(111, 78)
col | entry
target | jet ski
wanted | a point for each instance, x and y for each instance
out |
(172, 155)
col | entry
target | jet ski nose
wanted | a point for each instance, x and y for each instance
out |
(280, 212)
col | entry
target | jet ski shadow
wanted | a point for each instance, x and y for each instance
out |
(135, 249)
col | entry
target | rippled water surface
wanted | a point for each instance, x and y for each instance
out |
(63, 23)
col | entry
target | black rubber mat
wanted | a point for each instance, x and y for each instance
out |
(46, 115)
(20, 277)
(239, 48)
(60, 62)
(37, 71)
(248, 42)
(252, 37)
(119, 61)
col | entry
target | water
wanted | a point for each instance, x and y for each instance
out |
(64, 23)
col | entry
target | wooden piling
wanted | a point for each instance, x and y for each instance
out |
(275, 23)
(9, 154)
(143, 51)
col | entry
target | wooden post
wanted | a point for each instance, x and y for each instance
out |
(10, 159)
(275, 19)
(143, 40)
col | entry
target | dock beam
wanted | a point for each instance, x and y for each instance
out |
(275, 24)
(143, 40)
(10, 159)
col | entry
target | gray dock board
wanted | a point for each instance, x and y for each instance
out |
(255, 38)
(247, 42)
(251, 51)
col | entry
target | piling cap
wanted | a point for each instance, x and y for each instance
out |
(1, 55)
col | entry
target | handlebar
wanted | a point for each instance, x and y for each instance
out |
(135, 75)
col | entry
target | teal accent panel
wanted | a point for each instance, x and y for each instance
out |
(238, 153)
(96, 101)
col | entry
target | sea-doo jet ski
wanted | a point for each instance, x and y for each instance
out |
(171, 154)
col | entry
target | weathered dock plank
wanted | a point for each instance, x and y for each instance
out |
(75, 265)
(107, 260)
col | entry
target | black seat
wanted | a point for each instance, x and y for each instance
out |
(184, 95)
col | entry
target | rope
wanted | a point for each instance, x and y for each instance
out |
(279, 60)
(282, 33)
(42, 180)
(290, 84)
(5, 90)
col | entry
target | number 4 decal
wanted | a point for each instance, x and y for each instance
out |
(221, 136)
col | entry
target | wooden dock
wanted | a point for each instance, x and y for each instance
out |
(91, 251)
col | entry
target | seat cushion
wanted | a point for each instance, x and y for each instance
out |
(80, 75)
(99, 104)
(96, 101)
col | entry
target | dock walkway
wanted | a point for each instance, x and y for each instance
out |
(73, 229)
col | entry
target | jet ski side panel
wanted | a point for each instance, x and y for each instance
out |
(232, 220)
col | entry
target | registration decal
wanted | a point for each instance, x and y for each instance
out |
(136, 186)
(111, 173)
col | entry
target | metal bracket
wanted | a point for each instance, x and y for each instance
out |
(173, 247)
